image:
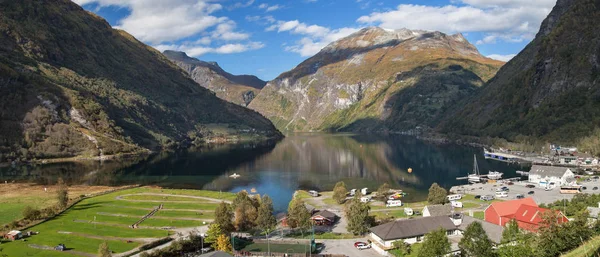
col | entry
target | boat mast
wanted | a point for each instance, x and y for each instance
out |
(475, 167)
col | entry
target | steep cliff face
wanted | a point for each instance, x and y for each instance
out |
(549, 91)
(376, 80)
(70, 85)
(239, 89)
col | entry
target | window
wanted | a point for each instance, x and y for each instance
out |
(419, 238)
(450, 232)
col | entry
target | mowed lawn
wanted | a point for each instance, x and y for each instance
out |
(86, 225)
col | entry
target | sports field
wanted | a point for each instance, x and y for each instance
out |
(108, 217)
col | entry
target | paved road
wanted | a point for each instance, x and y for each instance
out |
(346, 247)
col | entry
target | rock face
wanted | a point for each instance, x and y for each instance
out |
(240, 89)
(548, 92)
(376, 80)
(70, 85)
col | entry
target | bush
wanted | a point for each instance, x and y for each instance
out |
(31, 213)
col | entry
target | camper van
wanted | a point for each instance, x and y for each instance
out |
(393, 203)
(365, 199)
(487, 198)
(456, 204)
(408, 211)
(313, 193)
(352, 192)
(501, 194)
(454, 197)
(364, 191)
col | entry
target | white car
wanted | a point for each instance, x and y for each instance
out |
(362, 246)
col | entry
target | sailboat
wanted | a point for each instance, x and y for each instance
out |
(475, 177)
(234, 175)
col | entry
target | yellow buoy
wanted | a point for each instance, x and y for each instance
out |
(409, 170)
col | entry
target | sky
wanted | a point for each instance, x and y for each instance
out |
(268, 37)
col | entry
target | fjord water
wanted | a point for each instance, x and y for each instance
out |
(302, 161)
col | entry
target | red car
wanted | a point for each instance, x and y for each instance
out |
(362, 245)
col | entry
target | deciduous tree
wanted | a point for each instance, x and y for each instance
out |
(103, 250)
(357, 214)
(224, 217)
(436, 244)
(437, 195)
(402, 249)
(62, 194)
(213, 232)
(298, 215)
(223, 244)
(515, 242)
(475, 242)
(266, 220)
(339, 192)
(383, 191)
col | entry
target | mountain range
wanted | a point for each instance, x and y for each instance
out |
(376, 80)
(71, 85)
(240, 89)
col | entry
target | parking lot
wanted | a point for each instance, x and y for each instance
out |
(346, 247)
(540, 195)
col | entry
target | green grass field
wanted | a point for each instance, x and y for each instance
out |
(107, 218)
(12, 208)
(588, 249)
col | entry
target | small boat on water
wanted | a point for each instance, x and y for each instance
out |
(475, 177)
(495, 175)
(234, 175)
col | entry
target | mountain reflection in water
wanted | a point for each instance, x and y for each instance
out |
(306, 161)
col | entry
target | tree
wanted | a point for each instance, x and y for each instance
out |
(357, 214)
(213, 232)
(298, 215)
(103, 250)
(437, 195)
(224, 217)
(436, 244)
(266, 220)
(383, 191)
(402, 249)
(475, 242)
(223, 244)
(514, 242)
(549, 242)
(31, 213)
(339, 192)
(62, 194)
(245, 209)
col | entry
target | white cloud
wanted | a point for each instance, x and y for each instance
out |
(314, 38)
(195, 50)
(499, 57)
(182, 24)
(270, 8)
(508, 20)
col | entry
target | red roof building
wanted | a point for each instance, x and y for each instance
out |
(525, 211)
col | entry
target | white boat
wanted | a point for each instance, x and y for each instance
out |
(475, 177)
(495, 175)
(234, 175)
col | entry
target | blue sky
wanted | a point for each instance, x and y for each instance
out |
(268, 37)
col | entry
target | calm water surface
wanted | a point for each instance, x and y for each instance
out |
(304, 161)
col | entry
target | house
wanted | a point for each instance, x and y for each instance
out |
(13, 235)
(324, 218)
(530, 217)
(546, 175)
(437, 210)
(525, 211)
(500, 213)
(410, 231)
(493, 231)
(566, 159)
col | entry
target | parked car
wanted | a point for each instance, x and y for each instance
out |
(362, 245)
(60, 247)
(520, 196)
(595, 188)
(530, 186)
(530, 193)
(487, 197)
(583, 188)
(510, 183)
(477, 196)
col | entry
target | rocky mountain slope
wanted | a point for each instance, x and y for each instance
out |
(240, 89)
(70, 85)
(549, 91)
(376, 80)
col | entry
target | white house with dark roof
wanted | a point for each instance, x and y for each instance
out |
(544, 176)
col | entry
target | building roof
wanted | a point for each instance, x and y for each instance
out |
(493, 231)
(594, 211)
(326, 214)
(532, 214)
(550, 171)
(14, 232)
(507, 208)
(411, 227)
(216, 254)
(439, 209)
